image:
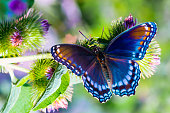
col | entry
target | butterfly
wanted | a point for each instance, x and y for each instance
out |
(114, 70)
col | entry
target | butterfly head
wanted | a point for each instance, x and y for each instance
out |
(97, 51)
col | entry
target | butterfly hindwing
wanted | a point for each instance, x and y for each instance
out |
(132, 43)
(125, 75)
(76, 58)
(95, 82)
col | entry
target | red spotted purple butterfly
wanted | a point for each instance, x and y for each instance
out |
(113, 70)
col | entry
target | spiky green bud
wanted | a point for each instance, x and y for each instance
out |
(21, 34)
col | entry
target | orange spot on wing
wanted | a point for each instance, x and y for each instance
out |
(147, 33)
(57, 52)
(85, 74)
(69, 61)
(74, 65)
(138, 32)
(60, 55)
(149, 29)
(139, 48)
(144, 38)
(141, 43)
(64, 58)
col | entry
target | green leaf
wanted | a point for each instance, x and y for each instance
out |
(56, 86)
(23, 81)
(19, 100)
(30, 3)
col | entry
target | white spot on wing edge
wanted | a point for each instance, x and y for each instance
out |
(95, 85)
(131, 67)
(57, 46)
(151, 29)
(88, 78)
(146, 28)
(125, 81)
(130, 72)
(55, 54)
(58, 50)
(120, 83)
(92, 83)
(128, 77)
(100, 88)
(84, 78)
(72, 67)
(103, 87)
(53, 49)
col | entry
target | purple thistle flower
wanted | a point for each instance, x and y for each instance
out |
(17, 6)
(45, 25)
(129, 22)
(16, 39)
(49, 73)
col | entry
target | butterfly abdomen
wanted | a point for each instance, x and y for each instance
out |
(101, 59)
(106, 74)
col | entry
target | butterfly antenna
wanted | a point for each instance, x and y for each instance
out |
(84, 35)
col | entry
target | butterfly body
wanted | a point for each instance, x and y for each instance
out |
(113, 70)
(101, 59)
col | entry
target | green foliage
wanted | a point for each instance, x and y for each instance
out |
(56, 86)
(47, 92)
(87, 6)
(23, 81)
(30, 3)
(19, 100)
(37, 76)
(116, 28)
(39, 68)
(87, 43)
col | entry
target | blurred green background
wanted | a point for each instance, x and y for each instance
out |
(90, 16)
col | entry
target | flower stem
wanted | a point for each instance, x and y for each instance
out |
(13, 78)
(13, 66)
(24, 58)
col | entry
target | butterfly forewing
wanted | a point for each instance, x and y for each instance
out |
(125, 75)
(75, 57)
(132, 43)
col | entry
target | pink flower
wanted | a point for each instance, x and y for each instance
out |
(61, 101)
(151, 60)
(16, 39)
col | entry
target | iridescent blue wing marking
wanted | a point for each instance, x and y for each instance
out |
(82, 61)
(74, 57)
(95, 82)
(132, 43)
(125, 75)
